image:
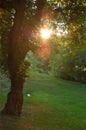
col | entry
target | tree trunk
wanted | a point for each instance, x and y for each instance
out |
(15, 97)
(16, 55)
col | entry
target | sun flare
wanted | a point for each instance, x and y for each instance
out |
(45, 33)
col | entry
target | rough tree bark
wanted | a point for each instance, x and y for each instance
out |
(15, 97)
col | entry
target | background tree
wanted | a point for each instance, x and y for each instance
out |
(68, 55)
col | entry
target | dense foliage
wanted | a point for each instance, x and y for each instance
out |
(68, 59)
(72, 14)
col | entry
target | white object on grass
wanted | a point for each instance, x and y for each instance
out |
(28, 95)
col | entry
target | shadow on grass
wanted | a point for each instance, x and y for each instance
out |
(8, 122)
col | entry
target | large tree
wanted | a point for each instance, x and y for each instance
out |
(17, 48)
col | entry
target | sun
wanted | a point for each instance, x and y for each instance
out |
(45, 33)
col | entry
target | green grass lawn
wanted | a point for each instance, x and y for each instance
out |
(54, 104)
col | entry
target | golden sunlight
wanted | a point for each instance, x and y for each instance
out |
(45, 33)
